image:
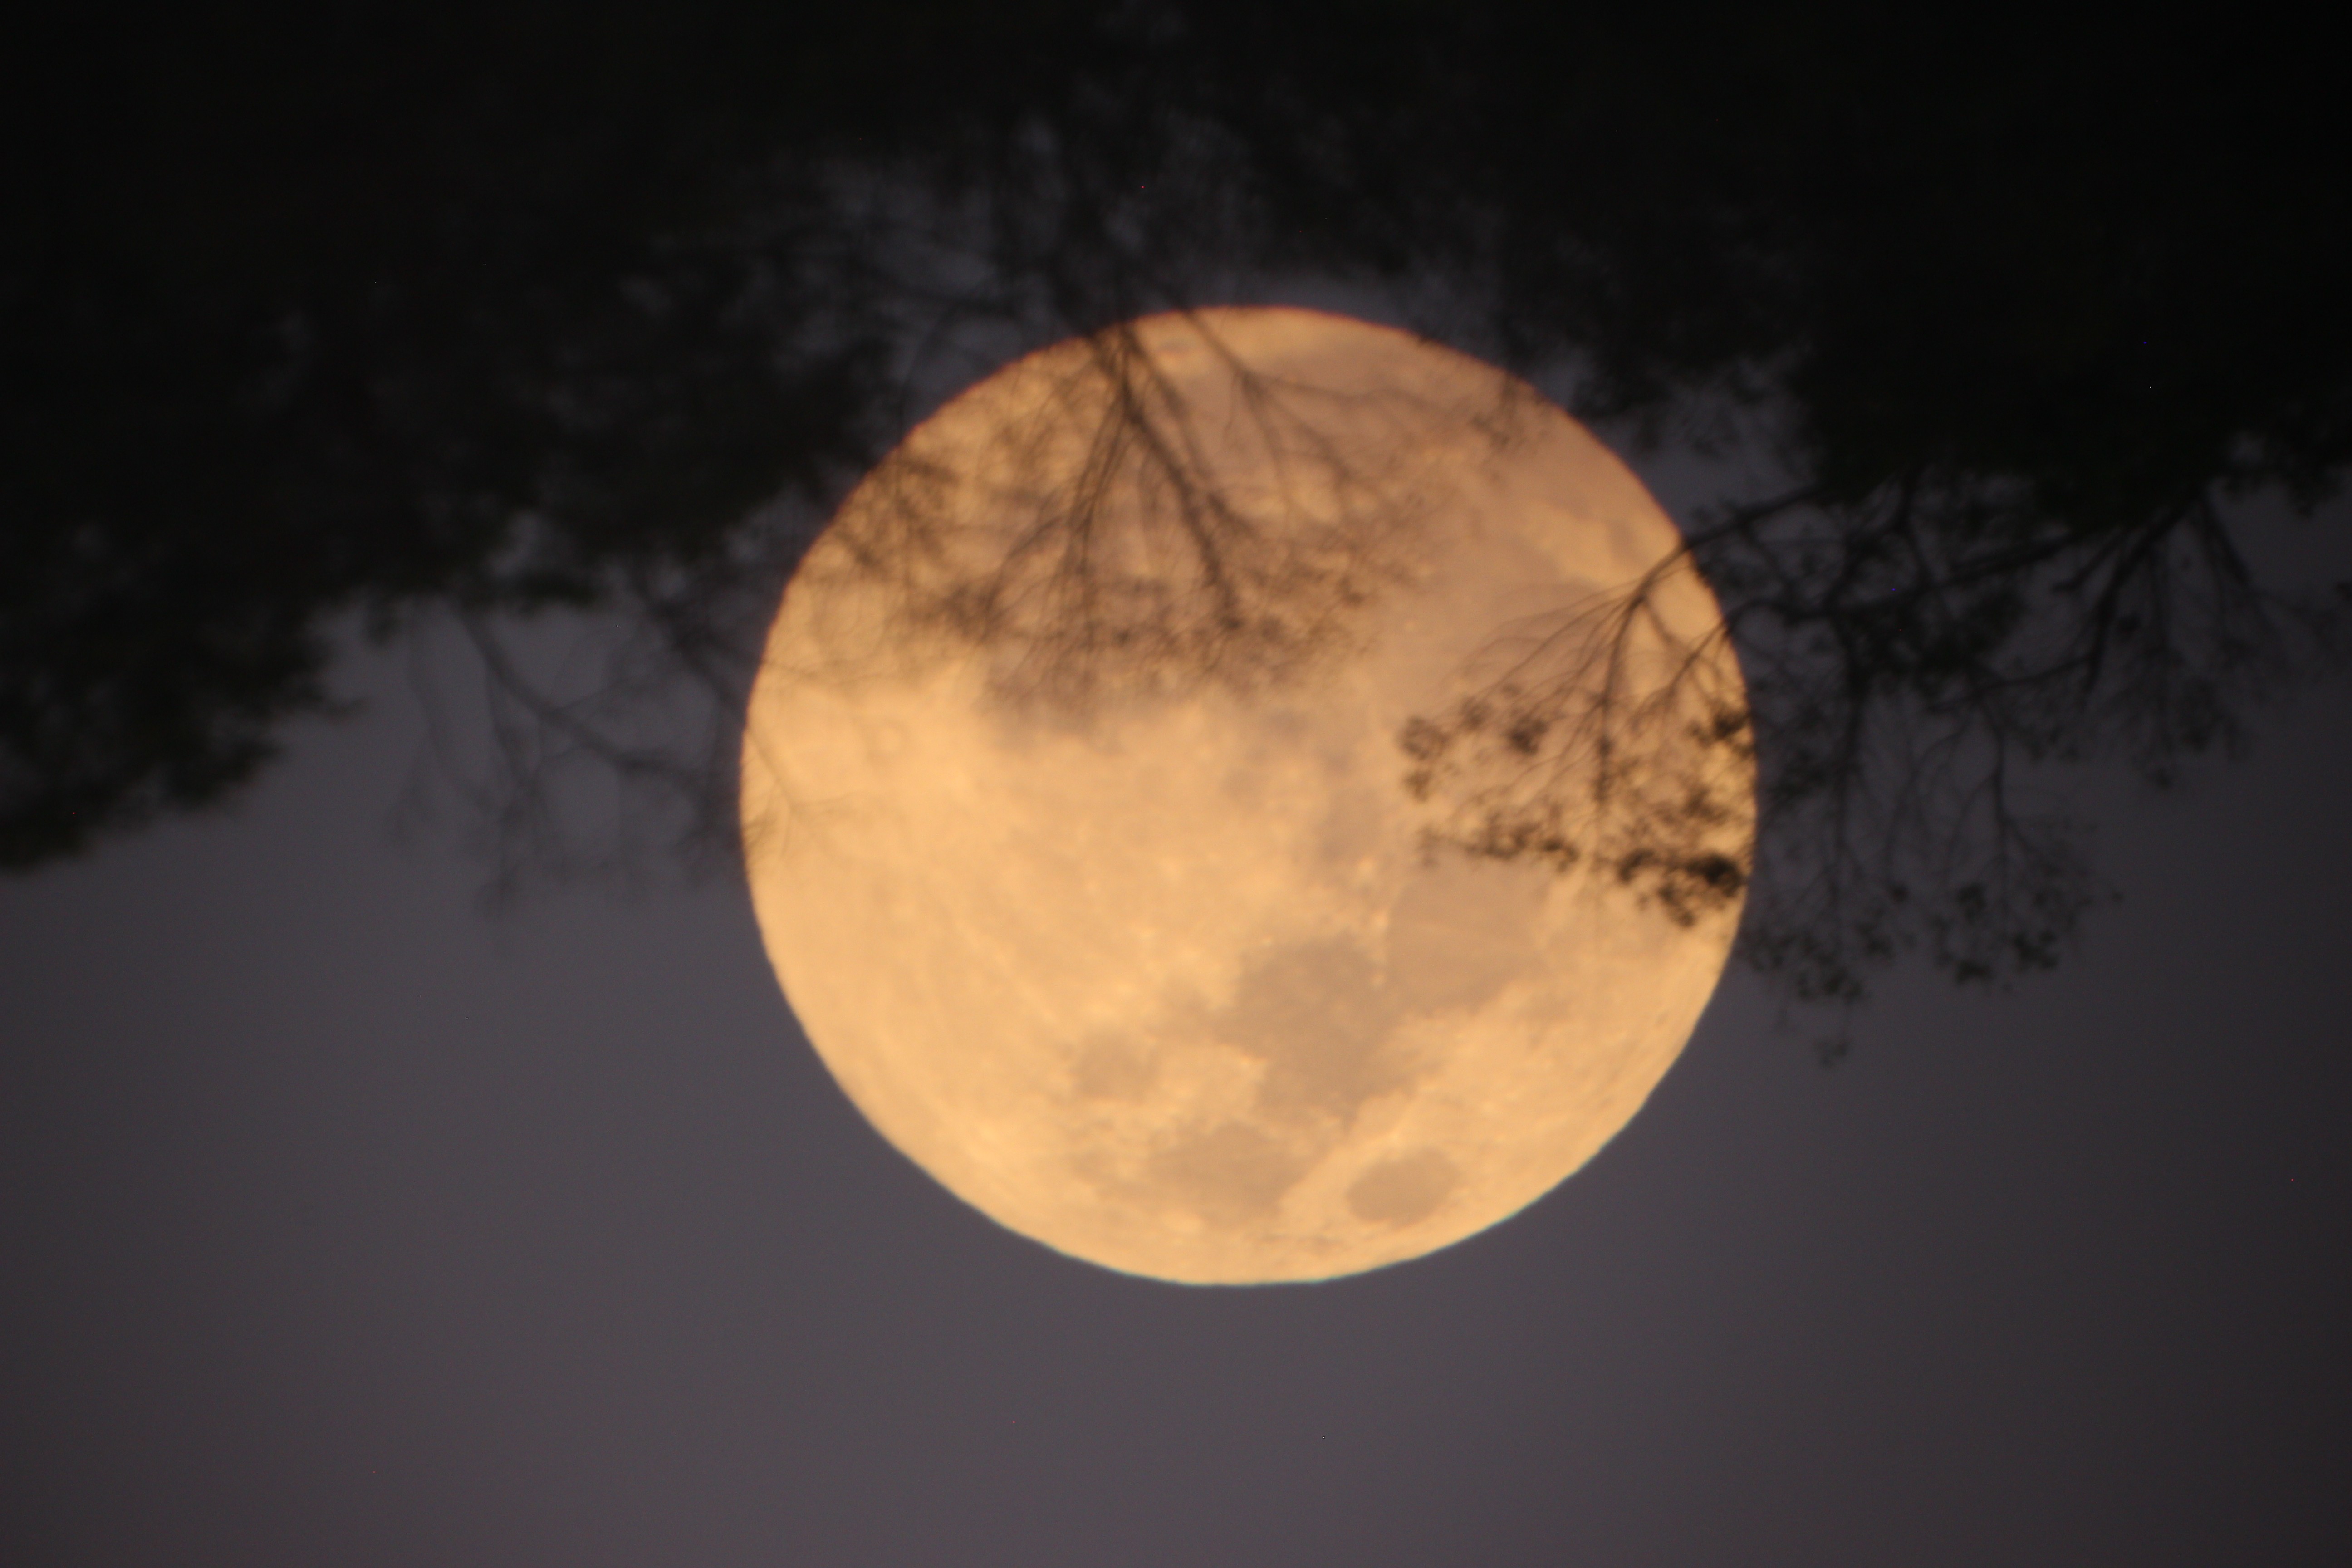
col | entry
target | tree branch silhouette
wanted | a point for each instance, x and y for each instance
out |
(1909, 680)
(511, 314)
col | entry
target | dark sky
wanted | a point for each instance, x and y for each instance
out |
(342, 1223)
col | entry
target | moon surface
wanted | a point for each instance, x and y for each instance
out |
(1248, 795)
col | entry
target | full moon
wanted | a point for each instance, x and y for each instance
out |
(1248, 795)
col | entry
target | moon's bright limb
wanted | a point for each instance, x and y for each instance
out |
(1250, 795)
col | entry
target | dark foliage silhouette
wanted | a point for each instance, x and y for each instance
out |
(525, 309)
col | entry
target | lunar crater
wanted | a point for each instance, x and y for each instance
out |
(1404, 1189)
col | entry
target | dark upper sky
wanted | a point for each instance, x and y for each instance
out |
(345, 1224)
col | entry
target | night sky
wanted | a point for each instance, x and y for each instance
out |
(348, 1223)
(349, 1216)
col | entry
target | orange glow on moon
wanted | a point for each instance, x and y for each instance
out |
(1194, 796)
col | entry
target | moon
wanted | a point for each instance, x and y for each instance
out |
(1248, 795)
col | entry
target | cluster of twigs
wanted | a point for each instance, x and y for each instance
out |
(1607, 738)
(1103, 545)
(1914, 659)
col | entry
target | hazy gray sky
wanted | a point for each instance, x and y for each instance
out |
(342, 1223)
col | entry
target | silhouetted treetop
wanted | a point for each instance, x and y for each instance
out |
(401, 310)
